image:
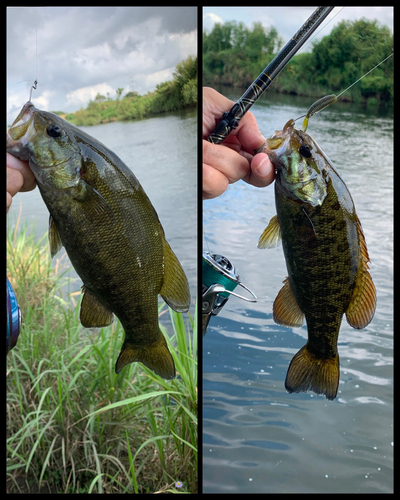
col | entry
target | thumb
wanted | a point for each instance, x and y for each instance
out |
(262, 171)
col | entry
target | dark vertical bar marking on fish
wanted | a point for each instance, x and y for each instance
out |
(230, 120)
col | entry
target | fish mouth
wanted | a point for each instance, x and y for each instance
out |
(22, 123)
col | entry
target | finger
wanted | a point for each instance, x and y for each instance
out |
(15, 164)
(262, 171)
(249, 134)
(9, 201)
(15, 181)
(214, 106)
(230, 163)
(214, 182)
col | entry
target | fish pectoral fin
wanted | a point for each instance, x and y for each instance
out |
(286, 310)
(92, 313)
(271, 235)
(155, 356)
(307, 372)
(54, 237)
(95, 204)
(363, 301)
(175, 288)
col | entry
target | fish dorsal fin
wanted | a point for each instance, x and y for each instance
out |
(271, 235)
(363, 301)
(54, 237)
(286, 310)
(92, 313)
(175, 288)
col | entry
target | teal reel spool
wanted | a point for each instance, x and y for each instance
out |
(218, 269)
(219, 282)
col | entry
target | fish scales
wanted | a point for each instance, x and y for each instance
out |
(95, 249)
(318, 253)
(326, 258)
(102, 216)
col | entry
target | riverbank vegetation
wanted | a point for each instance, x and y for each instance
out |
(179, 93)
(235, 55)
(73, 425)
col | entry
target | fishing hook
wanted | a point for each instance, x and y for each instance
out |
(34, 86)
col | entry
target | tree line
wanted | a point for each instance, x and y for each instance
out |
(234, 54)
(178, 93)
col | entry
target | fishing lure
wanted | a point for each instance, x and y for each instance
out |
(330, 99)
(318, 106)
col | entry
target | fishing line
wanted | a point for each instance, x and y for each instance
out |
(386, 58)
(36, 54)
(325, 101)
(230, 119)
(323, 27)
(206, 240)
(34, 86)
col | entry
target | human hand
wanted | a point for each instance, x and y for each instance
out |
(19, 177)
(232, 160)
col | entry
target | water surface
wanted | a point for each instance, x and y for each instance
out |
(257, 437)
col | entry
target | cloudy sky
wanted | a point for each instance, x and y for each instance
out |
(85, 50)
(287, 20)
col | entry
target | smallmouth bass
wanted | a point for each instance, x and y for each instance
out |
(100, 213)
(326, 257)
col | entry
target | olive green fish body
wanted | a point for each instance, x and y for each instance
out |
(101, 215)
(325, 254)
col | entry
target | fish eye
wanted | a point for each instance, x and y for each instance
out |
(54, 130)
(304, 150)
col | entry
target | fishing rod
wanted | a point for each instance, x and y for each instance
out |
(230, 119)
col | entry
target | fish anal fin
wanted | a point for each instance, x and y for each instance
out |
(271, 235)
(92, 313)
(306, 372)
(363, 301)
(54, 237)
(286, 310)
(175, 288)
(155, 356)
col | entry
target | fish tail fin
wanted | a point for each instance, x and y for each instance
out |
(307, 372)
(155, 356)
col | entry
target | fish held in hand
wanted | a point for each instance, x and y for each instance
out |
(100, 213)
(326, 257)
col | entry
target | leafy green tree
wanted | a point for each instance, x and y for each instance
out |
(119, 92)
(99, 97)
(234, 55)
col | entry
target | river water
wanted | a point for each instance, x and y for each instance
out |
(162, 153)
(257, 438)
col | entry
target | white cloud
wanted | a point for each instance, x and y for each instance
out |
(43, 101)
(209, 20)
(84, 94)
(159, 76)
(186, 43)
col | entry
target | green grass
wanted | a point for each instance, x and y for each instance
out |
(73, 425)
